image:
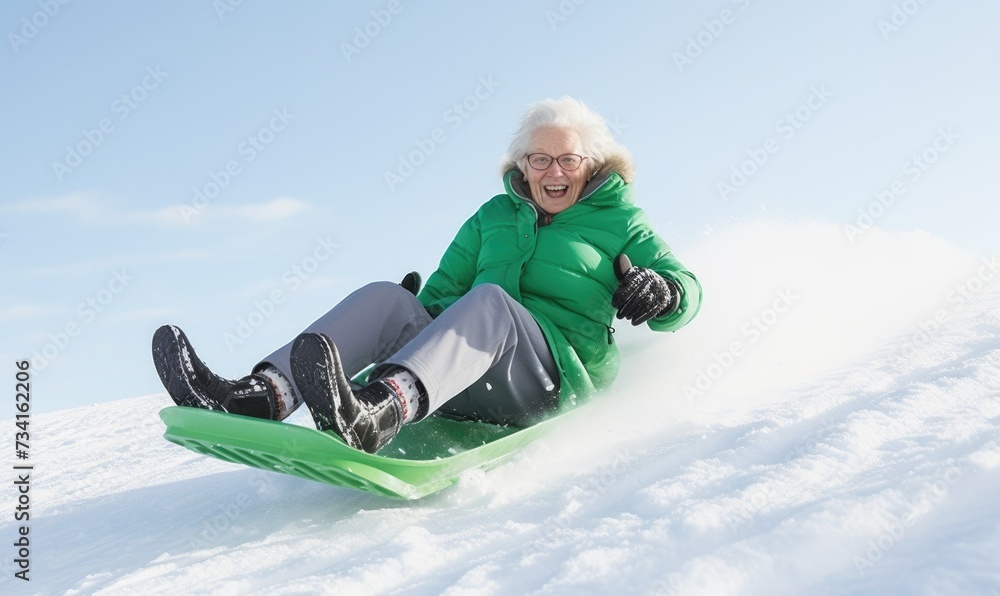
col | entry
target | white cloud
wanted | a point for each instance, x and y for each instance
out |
(276, 209)
(92, 208)
(75, 204)
(111, 262)
(273, 210)
(25, 311)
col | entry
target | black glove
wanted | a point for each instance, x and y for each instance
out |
(412, 282)
(642, 294)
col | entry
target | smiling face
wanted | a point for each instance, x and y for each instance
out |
(555, 189)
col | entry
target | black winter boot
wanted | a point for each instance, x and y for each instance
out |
(365, 420)
(191, 383)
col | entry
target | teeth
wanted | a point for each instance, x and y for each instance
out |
(556, 188)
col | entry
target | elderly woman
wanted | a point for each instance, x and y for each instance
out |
(515, 324)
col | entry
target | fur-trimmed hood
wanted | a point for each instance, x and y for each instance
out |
(620, 162)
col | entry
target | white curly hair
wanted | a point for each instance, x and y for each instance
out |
(569, 113)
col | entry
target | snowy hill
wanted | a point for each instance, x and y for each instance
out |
(829, 425)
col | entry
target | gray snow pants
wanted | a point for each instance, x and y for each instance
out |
(483, 358)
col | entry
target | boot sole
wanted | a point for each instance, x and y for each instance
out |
(315, 370)
(172, 354)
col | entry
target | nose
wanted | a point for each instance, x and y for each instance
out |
(555, 169)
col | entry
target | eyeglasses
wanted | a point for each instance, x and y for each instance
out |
(568, 162)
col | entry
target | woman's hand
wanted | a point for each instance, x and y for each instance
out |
(412, 282)
(642, 294)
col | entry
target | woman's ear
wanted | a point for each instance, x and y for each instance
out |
(522, 166)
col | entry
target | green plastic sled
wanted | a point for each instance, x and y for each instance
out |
(422, 459)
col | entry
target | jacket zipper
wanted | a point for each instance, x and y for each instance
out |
(611, 330)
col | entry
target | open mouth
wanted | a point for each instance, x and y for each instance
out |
(556, 191)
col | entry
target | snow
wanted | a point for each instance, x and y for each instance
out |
(849, 445)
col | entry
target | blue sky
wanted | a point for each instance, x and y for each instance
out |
(238, 169)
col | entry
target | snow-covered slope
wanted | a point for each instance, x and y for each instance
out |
(815, 431)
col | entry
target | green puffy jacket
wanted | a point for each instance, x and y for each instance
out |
(562, 272)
